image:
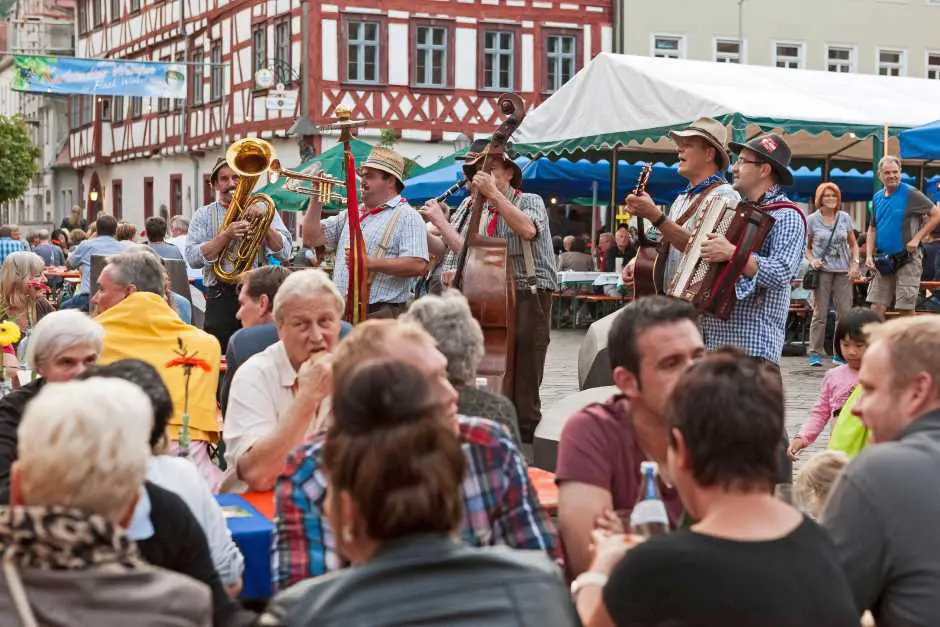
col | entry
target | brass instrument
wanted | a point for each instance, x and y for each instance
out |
(249, 158)
(322, 185)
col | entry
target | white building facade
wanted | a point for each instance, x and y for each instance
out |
(887, 37)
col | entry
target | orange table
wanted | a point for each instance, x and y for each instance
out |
(543, 481)
(62, 272)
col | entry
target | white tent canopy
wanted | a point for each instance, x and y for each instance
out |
(631, 102)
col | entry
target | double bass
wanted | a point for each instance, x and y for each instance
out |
(484, 273)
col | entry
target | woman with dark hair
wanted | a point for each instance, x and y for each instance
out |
(395, 469)
(750, 559)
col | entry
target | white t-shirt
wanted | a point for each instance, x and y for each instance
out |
(181, 477)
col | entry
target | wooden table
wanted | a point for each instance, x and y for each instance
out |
(62, 272)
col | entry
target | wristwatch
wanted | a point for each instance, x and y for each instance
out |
(585, 579)
(659, 221)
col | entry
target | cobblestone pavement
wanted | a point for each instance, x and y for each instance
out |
(801, 383)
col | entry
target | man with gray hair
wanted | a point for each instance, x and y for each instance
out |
(80, 472)
(139, 324)
(280, 395)
(901, 217)
(51, 254)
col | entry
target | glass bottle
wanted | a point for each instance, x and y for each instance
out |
(649, 517)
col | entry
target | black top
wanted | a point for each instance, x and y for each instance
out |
(179, 544)
(12, 407)
(689, 579)
(614, 253)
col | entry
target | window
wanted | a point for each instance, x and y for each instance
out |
(215, 72)
(176, 194)
(137, 106)
(163, 104)
(282, 59)
(135, 5)
(498, 59)
(431, 56)
(117, 199)
(177, 103)
(891, 62)
(667, 47)
(562, 56)
(933, 65)
(82, 15)
(727, 51)
(82, 111)
(117, 109)
(259, 48)
(199, 72)
(115, 10)
(362, 52)
(840, 59)
(788, 56)
(148, 197)
(97, 13)
(105, 109)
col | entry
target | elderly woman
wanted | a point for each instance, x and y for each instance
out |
(67, 559)
(22, 287)
(62, 345)
(459, 337)
(832, 251)
(395, 469)
(280, 395)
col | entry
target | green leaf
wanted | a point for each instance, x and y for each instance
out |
(18, 158)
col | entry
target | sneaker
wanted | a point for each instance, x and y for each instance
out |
(837, 361)
(815, 360)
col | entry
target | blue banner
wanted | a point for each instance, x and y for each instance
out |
(98, 77)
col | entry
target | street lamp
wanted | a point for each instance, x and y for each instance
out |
(93, 195)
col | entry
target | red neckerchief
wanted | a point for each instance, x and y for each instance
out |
(365, 213)
(491, 225)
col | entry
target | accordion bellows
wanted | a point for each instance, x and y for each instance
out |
(710, 286)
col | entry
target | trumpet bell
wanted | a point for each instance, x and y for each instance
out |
(249, 156)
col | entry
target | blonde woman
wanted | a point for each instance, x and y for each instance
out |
(22, 289)
(832, 251)
(126, 232)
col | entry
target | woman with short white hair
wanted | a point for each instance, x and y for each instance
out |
(61, 346)
(447, 318)
(67, 558)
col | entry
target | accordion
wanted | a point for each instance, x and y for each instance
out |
(710, 286)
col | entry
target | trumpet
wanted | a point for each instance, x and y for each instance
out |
(322, 186)
(249, 158)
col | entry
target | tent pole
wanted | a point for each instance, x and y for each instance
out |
(826, 167)
(594, 215)
(877, 152)
(612, 209)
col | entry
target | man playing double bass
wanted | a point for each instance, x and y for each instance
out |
(520, 219)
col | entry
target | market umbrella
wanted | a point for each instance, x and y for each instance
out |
(593, 360)
(331, 162)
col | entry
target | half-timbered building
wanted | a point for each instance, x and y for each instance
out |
(425, 72)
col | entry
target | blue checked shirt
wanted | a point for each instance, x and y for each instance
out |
(758, 322)
(103, 245)
(408, 239)
(206, 224)
(9, 245)
(501, 506)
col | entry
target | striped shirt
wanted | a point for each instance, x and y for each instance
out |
(408, 239)
(546, 271)
(206, 224)
(500, 504)
(9, 245)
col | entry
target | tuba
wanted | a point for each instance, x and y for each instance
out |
(249, 158)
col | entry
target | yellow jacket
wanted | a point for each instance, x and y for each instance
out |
(144, 327)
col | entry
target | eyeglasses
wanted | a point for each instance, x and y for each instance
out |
(752, 162)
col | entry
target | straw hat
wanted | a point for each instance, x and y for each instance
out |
(713, 132)
(388, 161)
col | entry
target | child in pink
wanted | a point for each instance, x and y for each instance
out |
(838, 382)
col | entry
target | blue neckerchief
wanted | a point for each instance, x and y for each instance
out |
(774, 194)
(708, 182)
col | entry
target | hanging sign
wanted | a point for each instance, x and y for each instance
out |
(101, 77)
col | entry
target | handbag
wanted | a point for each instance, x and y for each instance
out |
(888, 264)
(811, 278)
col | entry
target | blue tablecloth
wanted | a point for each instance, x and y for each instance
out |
(253, 533)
